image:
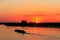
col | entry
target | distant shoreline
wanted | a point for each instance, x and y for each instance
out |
(47, 24)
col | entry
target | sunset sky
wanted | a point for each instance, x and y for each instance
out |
(30, 10)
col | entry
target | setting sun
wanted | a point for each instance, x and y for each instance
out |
(37, 19)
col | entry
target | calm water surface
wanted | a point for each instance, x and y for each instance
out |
(36, 33)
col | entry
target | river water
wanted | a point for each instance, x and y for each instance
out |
(36, 33)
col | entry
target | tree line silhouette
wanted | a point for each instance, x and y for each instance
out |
(24, 23)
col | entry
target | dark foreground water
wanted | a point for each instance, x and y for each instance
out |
(8, 33)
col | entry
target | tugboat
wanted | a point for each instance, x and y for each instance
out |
(20, 31)
(23, 32)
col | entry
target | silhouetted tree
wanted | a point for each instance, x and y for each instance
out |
(23, 21)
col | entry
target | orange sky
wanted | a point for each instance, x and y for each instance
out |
(30, 10)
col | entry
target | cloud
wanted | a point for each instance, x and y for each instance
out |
(58, 14)
(36, 15)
